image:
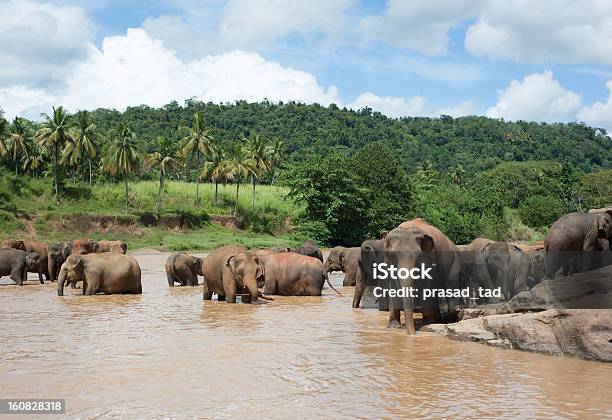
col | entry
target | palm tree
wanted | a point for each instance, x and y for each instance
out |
(53, 135)
(165, 157)
(215, 169)
(17, 141)
(275, 154)
(84, 144)
(258, 152)
(457, 174)
(122, 156)
(238, 167)
(3, 131)
(199, 141)
(33, 160)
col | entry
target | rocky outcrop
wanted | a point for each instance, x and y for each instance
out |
(575, 332)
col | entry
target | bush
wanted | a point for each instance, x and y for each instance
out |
(314, 231)
(540, 211)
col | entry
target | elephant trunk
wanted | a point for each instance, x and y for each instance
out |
(328, 282)
(261, 295)
(52, 267)
(60, 283)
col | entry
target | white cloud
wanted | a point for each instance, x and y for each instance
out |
(600, 113)
(249, 24)
(39, 41)
(538, 97)
(389, 105)
(419, 25)
(562, 31)
(136, 69)
(460, 110)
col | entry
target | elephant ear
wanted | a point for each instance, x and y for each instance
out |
(261, 269)
(426, 242)
(603, 226)
(230, 262)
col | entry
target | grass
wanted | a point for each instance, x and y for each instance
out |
(98, 212)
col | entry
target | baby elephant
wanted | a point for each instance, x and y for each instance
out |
(292, 274)
(107, 273)
(184, 269)
(16, 263)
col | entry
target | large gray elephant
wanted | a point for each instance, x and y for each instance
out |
(293, 274)
(310, 249)
(501, 264)
(29, 245)
(372, 251)
(345, 260)
(56, 255)
(101, 273)
(573, 241)
(183, 269)
(15, 264)
(408, 246)
(231, 270)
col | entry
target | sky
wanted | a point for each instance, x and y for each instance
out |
(534, 60)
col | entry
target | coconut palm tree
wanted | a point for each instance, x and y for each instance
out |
(258, 151)
(238, 167)
(18, 141)
(122, 155)
(3, 132)
(456, 174)
(215, 169)
(33, 160)
(199, 141)
(53, 134)
(275, 154)
(85, 142)
(165, 156)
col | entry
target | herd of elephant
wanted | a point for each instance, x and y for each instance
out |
(576, 242)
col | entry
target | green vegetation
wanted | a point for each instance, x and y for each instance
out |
(339, 176)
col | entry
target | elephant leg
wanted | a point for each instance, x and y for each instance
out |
(221, 298)
(40, 277)
(359, 289)
(170, 279)
(89, 287)
(207, 295)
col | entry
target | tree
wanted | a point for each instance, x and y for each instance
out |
(33, 160)
(53, 135)
(199, 141)
(165, 156)
(3, 132)
(215, 168)
(238, 167)
(257, 150)
(84, 144)
(123, 155)
(456, 174)
(17, 141)
(275, 155)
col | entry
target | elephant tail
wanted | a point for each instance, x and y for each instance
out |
(329, 283)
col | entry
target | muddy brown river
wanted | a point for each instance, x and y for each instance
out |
(168, 354)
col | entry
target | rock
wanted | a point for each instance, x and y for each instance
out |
(575, 332)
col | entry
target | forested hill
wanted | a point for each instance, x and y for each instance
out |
(474, 142)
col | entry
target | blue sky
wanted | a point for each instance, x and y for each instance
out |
(519, 59)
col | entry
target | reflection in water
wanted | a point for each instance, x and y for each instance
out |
(166, 353)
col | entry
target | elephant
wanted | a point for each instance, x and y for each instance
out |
(56, 255)
(118, 247)
(371, 251)
(345, 260)
(408, 246)
(293, 274)
(84, 246)
(106, 273)
(15, 263)
(184, 269)
(310, 249)
(231, 270)
(513, 267)
(43, 267)
(13, 243)
(572, 241)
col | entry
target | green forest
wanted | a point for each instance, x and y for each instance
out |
(348, 174)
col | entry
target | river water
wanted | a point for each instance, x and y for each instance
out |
(168, 354)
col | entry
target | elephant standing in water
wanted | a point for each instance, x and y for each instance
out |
(345, 260)
(118, 247)
(56, 255)
(183, 269)
(371, 251)
(231, 270)
(32, 246)
(292, 274)
(573, 240)
(16, 264)
(310, 249)
(106, 273)
(84, 246)
(408, 246)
